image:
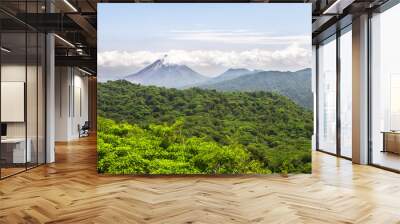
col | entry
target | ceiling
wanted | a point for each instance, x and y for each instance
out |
(75, 21)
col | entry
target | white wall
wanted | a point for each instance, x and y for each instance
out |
(17, 73)
(33, 126)
(62, 82)
(71, 94)
(80, 109)
(9, 73)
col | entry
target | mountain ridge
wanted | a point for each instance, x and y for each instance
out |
(162, 73)
(295, 85)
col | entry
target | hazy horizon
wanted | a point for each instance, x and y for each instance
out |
(122, 76)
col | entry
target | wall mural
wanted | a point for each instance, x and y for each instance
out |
(204, 88)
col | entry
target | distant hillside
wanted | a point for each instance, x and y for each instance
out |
(229, 74)
(295, 85)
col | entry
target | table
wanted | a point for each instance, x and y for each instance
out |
(391, 141)
(13, 150)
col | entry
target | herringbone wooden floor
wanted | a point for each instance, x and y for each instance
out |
(70, 191)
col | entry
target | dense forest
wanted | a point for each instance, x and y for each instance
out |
(156, 130)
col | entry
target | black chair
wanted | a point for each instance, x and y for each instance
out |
(84, 130)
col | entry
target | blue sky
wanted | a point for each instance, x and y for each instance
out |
(210, 38)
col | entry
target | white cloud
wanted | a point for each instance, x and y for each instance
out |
(239, 37)
(290, 58)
